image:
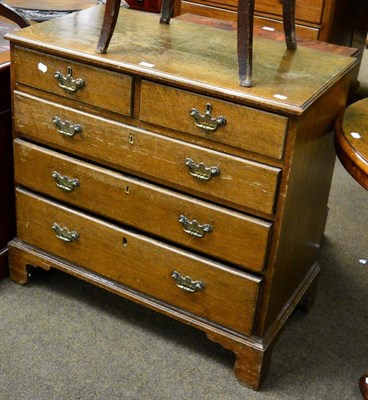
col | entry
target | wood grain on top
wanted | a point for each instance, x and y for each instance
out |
(193, 56)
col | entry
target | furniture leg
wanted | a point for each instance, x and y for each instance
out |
(19, 271)
(289, 23)
(308, 299)
(252, 359)
(363, 385)
(245, 41)
(167, 11)
(13, 15)
(112, 8)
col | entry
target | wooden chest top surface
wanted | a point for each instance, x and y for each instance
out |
(193, 56)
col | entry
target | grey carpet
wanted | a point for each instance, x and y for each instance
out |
(63, 339)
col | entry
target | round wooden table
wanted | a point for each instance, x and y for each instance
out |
(351, 143)
(42, 10)
(363, 385)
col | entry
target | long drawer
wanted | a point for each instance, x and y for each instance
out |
(212, 230)
(242, 127)
(209, 174)
(101, 88)
(197, 285)
(262, 25)
(305, 10)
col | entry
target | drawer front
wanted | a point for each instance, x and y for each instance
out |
(246, 128)
(216, 293)
(221, 233)
(274, 29)
(263, 26)
(305, 10)
(101, 88)
(218, 177)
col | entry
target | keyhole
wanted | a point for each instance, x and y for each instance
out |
(131, 139)
(125, 241)
(127, 189)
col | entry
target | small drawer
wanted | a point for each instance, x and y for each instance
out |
(213, 291)
(231, 124)
(81, 82)
(212, 230)
(196, 170)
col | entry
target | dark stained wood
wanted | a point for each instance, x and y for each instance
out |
(363, 386)
(288, 16)
(145, 5)
(6, 166)
(9, 13)
(245, 42)
(167, 11)
(108, 25)
(7, 217)
(351, 140)
(270, 186)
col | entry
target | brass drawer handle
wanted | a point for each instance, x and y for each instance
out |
(201, 171)
(186, 283)
(64, 234)
(67, 82)
(194, 228)
(65, 127)
(206, 121)
(64, 182)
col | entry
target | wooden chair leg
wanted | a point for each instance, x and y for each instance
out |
(9, 13)
(245, 31)
(112, 8)
(167, 10)
(245, 41)
(289, 23)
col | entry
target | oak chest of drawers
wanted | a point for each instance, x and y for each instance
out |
(149, 172)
